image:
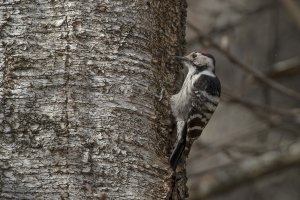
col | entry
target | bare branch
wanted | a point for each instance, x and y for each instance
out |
(208, 150)
(293, 10)
(276, 111)
(227, 177)
(246, 16)
(286, 68)
(275, 117)
(257, 74)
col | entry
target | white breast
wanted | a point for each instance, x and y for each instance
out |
(181, 102)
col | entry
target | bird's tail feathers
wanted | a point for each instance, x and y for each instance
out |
(179, 148)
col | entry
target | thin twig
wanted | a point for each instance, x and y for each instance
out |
(282, 116)
(246, 16)
(209, 150)
(286, 68)
(257, 74)
(293, 10)
(224, 178)
(276, 111)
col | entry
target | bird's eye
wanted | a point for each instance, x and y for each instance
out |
(194, 55)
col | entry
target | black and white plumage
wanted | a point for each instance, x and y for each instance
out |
(195, 103)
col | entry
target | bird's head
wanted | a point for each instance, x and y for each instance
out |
(200, 60)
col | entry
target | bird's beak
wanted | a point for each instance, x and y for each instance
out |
(180, 58)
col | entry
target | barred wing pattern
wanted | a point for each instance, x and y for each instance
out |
(205, 98)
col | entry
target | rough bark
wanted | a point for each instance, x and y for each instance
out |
(80, 116)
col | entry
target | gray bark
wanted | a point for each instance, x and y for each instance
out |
(79, 112)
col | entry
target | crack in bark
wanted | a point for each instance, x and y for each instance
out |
(66, 87)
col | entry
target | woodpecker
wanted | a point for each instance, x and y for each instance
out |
(195, 103)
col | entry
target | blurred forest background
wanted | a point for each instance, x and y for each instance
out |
(251, 147)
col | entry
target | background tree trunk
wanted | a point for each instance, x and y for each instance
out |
(79, 113)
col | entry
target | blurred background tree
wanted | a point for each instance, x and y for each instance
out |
(251, 147)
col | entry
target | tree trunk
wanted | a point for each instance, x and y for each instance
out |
(80, 109)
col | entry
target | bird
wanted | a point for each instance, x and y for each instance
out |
(195, 103)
